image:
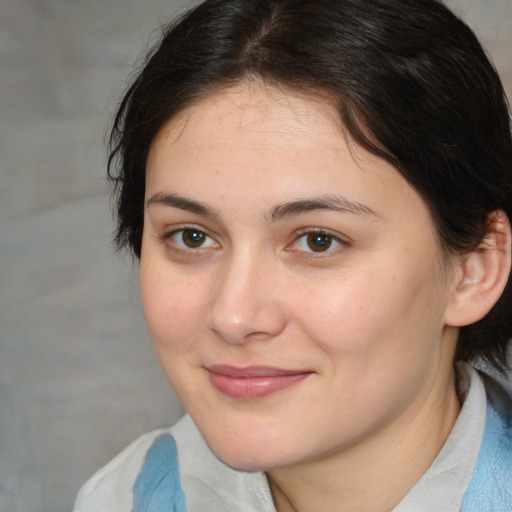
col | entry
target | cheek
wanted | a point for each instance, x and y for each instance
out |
(173, 308)
(341, 312)
(373, 314)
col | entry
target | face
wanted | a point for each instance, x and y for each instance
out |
(291, 282)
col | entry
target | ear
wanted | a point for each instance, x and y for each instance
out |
(481, 276)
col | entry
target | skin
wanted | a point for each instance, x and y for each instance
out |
(247, 174)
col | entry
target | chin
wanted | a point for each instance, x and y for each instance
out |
(251, 453)
(248, 461)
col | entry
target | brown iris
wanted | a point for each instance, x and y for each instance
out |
(193, 238)
(319, 242)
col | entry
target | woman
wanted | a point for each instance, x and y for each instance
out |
(319, 193)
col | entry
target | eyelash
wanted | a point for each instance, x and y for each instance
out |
(169, 238)
(317, 232)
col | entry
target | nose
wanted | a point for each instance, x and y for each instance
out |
(245, 303)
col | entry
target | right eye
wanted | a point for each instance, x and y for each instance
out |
(190, 238)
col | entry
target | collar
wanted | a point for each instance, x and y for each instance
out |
(442, 487)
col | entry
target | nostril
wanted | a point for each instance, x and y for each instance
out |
(258, 336)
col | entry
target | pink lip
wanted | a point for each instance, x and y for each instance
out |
(254, 381)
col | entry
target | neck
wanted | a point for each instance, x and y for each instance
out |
(399, 455)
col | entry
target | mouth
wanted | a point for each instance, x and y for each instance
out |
(254, 381)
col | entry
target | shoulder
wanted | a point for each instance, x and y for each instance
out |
(498, 423)
(112, 487)
(491, 484)
(173, 469)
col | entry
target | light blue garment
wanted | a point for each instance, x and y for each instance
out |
(490, 489)
(158, 488)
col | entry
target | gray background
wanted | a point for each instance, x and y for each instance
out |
(78, 378)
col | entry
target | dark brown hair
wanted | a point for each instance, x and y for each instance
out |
(409, 79)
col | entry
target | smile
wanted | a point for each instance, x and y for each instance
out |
(253, 382)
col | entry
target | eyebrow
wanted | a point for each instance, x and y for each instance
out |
(279, 212)
(326, 202)
(182, 203)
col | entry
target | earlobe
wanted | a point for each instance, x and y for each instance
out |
(482, 274)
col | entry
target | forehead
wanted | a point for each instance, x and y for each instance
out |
(254, 118)
(256, 113)
(268, 146)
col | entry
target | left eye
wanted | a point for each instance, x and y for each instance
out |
(317, 242)
(190, 238)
